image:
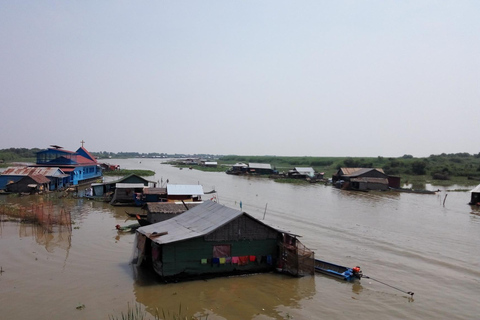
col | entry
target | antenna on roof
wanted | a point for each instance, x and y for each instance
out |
(55, 146)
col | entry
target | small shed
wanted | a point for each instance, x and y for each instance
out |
(154, 194)
(260, 168)
(361, 179)
(304, 173)
(30, 184)
(211, 164)
(161, 211)
(126, 193)
(238, 168)
(58, 179)
(211, 240)
(186, 192)
(475, 196)
(107, 189)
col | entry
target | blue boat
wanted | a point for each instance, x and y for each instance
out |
(337, 271)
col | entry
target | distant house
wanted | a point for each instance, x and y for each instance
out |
(80, 165)
(238, 168)
(475, 195)
(211, 240)
(210, 164)
(361, 179)
(122, 191)
(58, 179)
(260, 168)
(30, 184)
(304, 173)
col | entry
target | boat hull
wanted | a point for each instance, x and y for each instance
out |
(337, 271)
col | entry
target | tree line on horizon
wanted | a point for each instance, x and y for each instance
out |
(440, 166)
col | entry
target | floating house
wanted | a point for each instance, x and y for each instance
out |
(210, 164)
(80, 165)
(57, 178)
(475, 196)
(306, 173)
(211, 240)
(260, 168)
(238, 168)
(30, 184)
(124, 191)
(185, 192)
(361, 179)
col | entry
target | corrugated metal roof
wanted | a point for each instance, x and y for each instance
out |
(196, 222)
(170, 207)
(304, 170)
(259, 166)
(82, 160)
(353, 172)
(240, 164)
(210, 162)
(39, 178)
(184, 189)
(25, 171)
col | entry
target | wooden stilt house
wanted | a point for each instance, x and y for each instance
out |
(211, 240)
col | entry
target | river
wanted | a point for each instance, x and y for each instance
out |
(428, 244)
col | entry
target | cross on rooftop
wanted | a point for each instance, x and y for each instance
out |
(82, 142)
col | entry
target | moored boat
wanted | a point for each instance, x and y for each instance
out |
(142, 221)
(338, 271)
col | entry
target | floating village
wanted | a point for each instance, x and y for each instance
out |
(184, 232)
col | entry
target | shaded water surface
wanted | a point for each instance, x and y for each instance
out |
(411, 241)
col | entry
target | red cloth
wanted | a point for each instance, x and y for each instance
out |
(243, 260)
(252, 258)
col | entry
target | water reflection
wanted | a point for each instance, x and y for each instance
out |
(240, 297)
(50, 225)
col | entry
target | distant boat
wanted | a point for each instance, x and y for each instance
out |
(337, 271)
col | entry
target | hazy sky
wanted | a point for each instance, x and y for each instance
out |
(318, 78)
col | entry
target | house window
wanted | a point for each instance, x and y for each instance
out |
(221, 251)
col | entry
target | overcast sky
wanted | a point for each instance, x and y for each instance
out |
(292, 78)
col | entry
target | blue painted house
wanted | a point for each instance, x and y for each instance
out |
(80, 165)
(56, 176)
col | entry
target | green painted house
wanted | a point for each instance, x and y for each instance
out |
(212, 240)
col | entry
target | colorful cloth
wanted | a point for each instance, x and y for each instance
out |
(215, 261)
(269, 260)
(222, 260)
(235, 260)
(203, 261)
(252, 258)
(228, 260)
(243, 260)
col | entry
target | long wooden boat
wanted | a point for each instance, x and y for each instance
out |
(337, 271)
(142, 221)
(134, 215)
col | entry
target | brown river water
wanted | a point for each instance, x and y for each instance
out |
(427, 244)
